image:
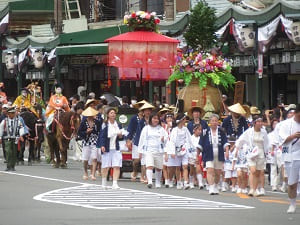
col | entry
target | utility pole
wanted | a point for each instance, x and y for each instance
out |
(58, 16)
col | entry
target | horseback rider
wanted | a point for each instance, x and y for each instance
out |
(57, 102)
(23, 102)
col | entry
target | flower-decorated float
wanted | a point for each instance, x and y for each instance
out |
(202, 73)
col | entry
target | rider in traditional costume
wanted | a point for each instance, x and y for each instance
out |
(23, 101)
(57, 102)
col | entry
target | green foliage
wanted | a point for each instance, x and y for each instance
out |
(201, 30)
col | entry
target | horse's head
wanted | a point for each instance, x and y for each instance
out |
(75, 122)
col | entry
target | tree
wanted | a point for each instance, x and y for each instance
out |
(201, 29)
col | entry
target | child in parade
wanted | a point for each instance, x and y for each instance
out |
(181, 142)
(151, 144)
(194, 157)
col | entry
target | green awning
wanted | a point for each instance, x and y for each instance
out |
(92, 36)
(87, 49)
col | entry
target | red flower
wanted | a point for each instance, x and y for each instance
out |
(133, 15)
(157, 21)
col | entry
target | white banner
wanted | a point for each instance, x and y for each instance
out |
(296, 33)
(21, 58)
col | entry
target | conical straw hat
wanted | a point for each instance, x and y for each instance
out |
(90, 112)
(146, 106)
(237, 108)
(139, 104)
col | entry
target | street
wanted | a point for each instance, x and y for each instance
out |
(39, 194)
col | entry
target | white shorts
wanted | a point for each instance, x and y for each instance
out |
(192, 161)
(99, 154)
(258, 163)
(293, 177)
(230, 174)
(112, 158)
(287, 168)
(216, 164)
(154, 160)
(242, 169)
(89, 152)
(178, 160)
(164, 160)
(135, 153)
(143, 161)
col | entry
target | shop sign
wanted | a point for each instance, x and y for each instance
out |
(82, 60)
(296, 32)
(35, 75)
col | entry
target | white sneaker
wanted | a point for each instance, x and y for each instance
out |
(192, 186)
(157, 185)
(257, 193)
(223, 189)
(239, 191)
(274, 188)
(167, 184)
(251, 192)
(291, 209)
(233, 189)
(216, 189)
(283, 188)
(186, 186)
(171, 184)
(115, 187)
(262, 192)
(244, 191)
(179, 186)
(211, 189)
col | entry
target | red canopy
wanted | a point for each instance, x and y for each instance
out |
(142, 49)
(142, 36)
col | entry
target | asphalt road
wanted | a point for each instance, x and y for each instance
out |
(39, 194)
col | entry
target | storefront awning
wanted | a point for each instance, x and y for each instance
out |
(86, 49)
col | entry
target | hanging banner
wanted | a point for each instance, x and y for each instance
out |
(4, 24)
(260, 63)
(296, 33)
(245, 36)
(239, 92)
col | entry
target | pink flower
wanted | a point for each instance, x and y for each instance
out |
(133, 15)
(148, 16)
(157, 21)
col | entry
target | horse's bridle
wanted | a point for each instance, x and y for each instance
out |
(62, 129)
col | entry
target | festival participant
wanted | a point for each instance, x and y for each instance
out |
(213, 144)
(289, 134)
(257, 141)
(151, 144)
(181, 142)
(88, 131)
(274, 156)
(194, 158)
(230, 173)
(235, 124)
(3, 98)
(12, 131)
(108, 142)
(195, 112)
(168, 125)
(23, 101)
(56, 102)
(130, 139)
(146, 108)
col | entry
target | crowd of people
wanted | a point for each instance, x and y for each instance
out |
(230, 153)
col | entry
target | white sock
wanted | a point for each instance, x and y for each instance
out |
(185, 183)
(167, 182)
(199, 178)
(191, 179)
(293, 201)
(158, 175)
(149, 174)
(103, 182)
(115, 182)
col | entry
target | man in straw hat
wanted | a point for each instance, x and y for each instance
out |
(196, 112)
(235, 124)
(135, 130)
(11, 131)
(89, 131)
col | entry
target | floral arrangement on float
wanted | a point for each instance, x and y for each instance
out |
(142, 21)
(203, 67)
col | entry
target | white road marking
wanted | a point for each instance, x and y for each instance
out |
(95, 197)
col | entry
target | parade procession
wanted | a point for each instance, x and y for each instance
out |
(173, 120)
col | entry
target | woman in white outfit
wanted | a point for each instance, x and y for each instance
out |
(257, 141)
(109, 139)
(181, 142)
(151, 144)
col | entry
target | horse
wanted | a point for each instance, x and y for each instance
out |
(65, 127)
(35, 135)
